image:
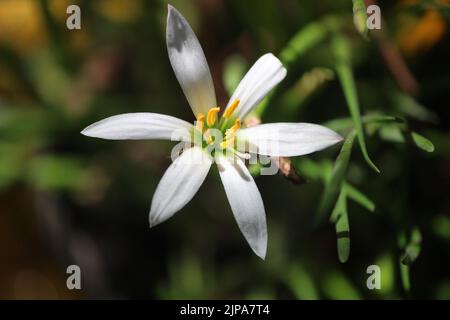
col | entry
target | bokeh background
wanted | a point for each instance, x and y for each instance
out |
(67, 199)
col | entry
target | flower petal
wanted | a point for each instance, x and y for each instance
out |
(189, 63)
(245, 201)
(288, 139)
(141, 125)
(179, 184)
(265, 74)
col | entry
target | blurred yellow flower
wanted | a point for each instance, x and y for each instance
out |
(120, 10)
(422, 34)
(21, 25)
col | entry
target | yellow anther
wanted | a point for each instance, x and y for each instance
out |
(229, 111)
(209, 139)
(227, 143)
(200, 122)
(236, 126)
(211, 117)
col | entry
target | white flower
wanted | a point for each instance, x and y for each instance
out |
(186, 174)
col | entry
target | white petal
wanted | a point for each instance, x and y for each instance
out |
(189, 63)
(141, 125)
(245, 201)
(265, 74)
(288, 139)
(179, 184)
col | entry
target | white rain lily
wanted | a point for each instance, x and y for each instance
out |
(186, 174)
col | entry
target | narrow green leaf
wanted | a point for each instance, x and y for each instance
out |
(409, 106)
(404, 275)
(387, 264)
(343, 70)
(314, 170)
(359, 197)
(360, 17)
(301, 283)
(56, 35)
(416, 236)
(422, 142)
(395, 133)
(337, 177)
(309, 83)
(337, 286)
(233, 71)
(340, 218)
(441, 226)
(303, 40)
(411, 250)
(342, 124)
(51, 172)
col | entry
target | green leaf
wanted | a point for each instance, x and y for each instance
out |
(422, 142)
(340, 218)
(359, 197)
(234, 70)
(441, 226)
(342, 52)
(56, 172)
(343, 124)
(308, 37)
(338, 287)
(337, 177)
(314, 170)
(360, 17)
(301, 283)
(404, 275)
(387, 264)
(309, 83)
(12, 161)
(305, 39)
(408, 106)
(411, 250)
(395, 133)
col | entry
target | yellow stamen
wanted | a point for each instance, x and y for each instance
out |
(229, 111)
(211, 117)
(236, 126)
(227, 143)
(200, 122)
(208, 137)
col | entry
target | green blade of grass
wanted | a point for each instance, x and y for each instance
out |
(360, 17)
(404, 275)
(308, 37)
(337, 177)
(345, 75)
(359, 197)
(344, 124)
(340, 218)
(411, 251)
(301, 283)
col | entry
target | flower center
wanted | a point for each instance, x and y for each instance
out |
(218, 132)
